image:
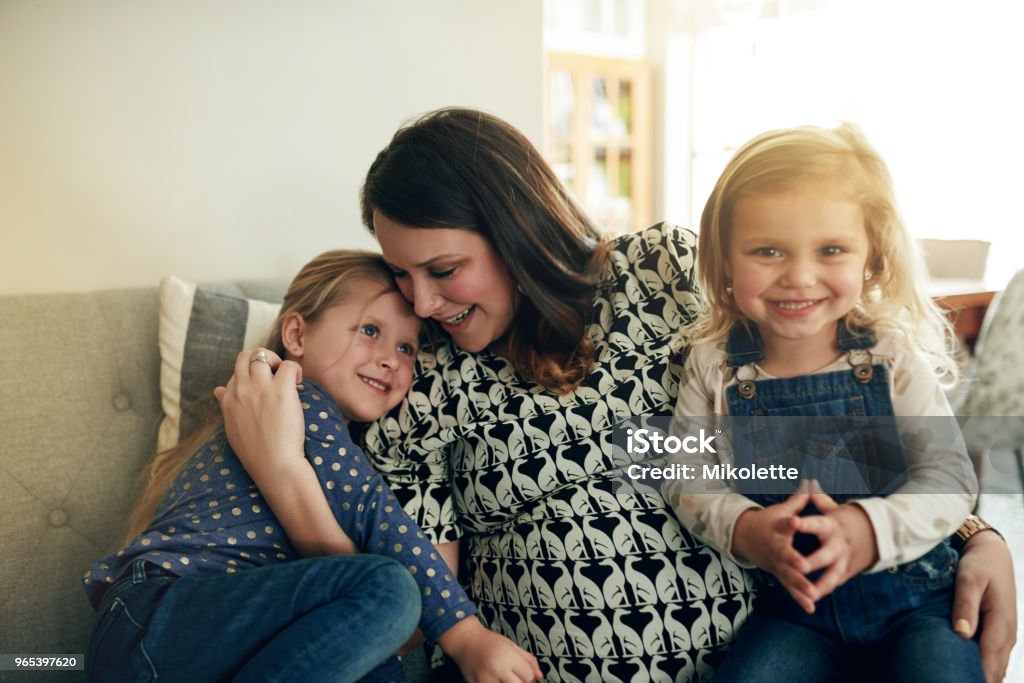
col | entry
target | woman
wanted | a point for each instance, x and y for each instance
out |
(549, 337)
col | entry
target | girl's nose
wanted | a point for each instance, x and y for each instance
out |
(800, 274)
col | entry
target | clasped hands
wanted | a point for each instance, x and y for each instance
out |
(764, 536)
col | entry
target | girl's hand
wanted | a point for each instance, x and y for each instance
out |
(484, 656)
(765, 537)
(847, 539)
(986, 597)
(262, 415)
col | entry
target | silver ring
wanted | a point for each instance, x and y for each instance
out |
(260, 357)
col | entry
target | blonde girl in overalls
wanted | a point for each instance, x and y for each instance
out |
(814, 313)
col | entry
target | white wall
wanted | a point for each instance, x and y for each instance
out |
(225, 139)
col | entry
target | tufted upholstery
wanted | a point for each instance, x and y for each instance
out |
(996, 387)
(79, 384)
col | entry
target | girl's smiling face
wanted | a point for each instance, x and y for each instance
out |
(452, 276)
(797, 262)
(361, 351)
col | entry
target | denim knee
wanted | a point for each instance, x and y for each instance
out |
(395, 581)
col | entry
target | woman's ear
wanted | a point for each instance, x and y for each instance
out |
(293, 331)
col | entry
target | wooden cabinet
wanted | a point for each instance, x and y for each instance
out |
(598, 135)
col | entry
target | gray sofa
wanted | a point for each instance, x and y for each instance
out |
(79, 381)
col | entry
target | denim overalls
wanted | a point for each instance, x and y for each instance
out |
(848, 441)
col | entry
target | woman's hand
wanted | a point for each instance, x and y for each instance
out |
(765, 537)
(484, 656)
(986, 596)
(265, 426)
(262, 415)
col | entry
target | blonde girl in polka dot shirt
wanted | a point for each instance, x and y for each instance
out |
(210, 587)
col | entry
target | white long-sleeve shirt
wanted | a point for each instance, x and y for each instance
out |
(907, 523)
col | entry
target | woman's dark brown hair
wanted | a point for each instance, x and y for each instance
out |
(466, 169)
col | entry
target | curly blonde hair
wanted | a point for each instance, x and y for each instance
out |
(841, 160)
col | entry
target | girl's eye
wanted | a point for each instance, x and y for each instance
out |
(442, 274)
(766, 251)
(399, 274)
(832, 251)
(407, 349)
(369, 330)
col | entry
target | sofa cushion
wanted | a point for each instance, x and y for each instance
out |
(201, 333)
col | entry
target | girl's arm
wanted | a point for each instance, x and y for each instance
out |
(262, 410)
(941, 487)
(265, 425)
(707, 507)
(733, 524)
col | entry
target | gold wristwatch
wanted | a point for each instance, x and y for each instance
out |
(973, 525)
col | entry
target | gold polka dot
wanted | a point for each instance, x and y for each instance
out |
(413, 569)
(446, 593)
(460, 614)
(237, 512)
(232, 540)
(183, 560)
(215, 515)
(384, 527)
(402, 528)
(336, 466)
(314, 428)
(398, 547)
(224, 471)
(213, 503)
(318, 460)
(330, 485)
(427, 591)
(282, 556)
(268, 529)
(305, 406)
(323, 415)
(389, 509)
(257, 509)
(347, 488)
(165, 537)
(200, 466)
(342, 451)
(431, 572)
(250, 534)
(146, 541)
(165, 565)
(230, 570)
(417, 551)
(440, 611)
(345, 506)
(187, 486)
(330, 437)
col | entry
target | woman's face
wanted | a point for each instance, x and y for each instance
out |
(453, 276)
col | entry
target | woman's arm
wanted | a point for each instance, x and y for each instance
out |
(986, 597)
(265, 427)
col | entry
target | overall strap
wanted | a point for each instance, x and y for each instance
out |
(853, 337)
(744, 345)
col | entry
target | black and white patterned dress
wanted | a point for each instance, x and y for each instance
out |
(597, 579)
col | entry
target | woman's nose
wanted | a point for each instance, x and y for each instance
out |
(426, 301)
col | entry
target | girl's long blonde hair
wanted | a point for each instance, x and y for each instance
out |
(838, 160)
(329, 279)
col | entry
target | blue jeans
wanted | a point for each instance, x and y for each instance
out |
(329, 618)
(891, 626)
